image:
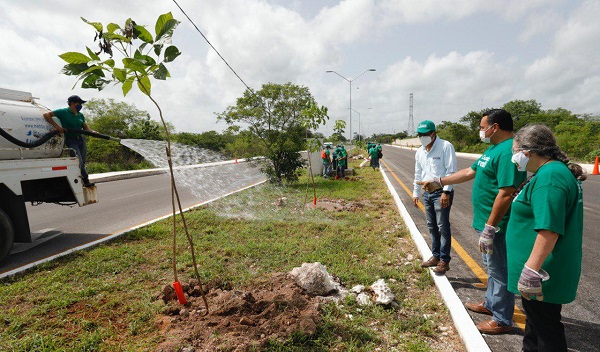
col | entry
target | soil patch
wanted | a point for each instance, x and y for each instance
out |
(239, 320)
(336, 205)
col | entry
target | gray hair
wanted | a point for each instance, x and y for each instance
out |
(539, 140)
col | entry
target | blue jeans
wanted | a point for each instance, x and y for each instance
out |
(497, 297)
(438, 223)
(80, 150)
(326, 168)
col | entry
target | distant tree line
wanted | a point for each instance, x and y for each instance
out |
(577, 135)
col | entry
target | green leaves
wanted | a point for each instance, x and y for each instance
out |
(171, 53)
(96, 25)
(75, 58)
(165, 25)
(148, 59)
(143, 34)
(161, 73)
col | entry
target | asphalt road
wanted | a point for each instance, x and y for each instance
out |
(122, 205)
(580, 317)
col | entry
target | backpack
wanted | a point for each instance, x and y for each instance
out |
(379, 154)
(324, 155)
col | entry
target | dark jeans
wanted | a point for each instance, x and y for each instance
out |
(375, 162)
(79, 150)
(438, 223)
(543, 329)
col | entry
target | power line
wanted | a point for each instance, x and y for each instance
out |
(212, 46)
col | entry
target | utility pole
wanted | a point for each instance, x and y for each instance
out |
(411, 122)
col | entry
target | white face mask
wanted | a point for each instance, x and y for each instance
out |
(485, 139)
(521, 160)
(425, 140)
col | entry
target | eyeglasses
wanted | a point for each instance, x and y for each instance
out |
(424, 134)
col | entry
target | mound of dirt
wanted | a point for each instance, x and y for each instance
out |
(239, 320)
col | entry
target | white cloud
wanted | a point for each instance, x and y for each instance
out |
(279, 41)
(573, 63)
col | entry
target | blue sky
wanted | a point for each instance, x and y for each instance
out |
(454, 56)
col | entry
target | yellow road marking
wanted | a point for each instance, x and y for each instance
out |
(519, 316)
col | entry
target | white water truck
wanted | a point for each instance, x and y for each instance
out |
(34, 166)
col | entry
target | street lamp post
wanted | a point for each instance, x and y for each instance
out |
(350, 82)
(358, 112)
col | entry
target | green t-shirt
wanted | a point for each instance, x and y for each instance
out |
(69, 120)
(373, 152)
(341, 156)
(494, 170)
(552, 200)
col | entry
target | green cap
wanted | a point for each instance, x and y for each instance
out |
(426, 126)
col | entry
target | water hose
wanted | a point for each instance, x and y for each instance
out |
(51, 134)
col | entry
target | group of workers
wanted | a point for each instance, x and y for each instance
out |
(529, 229)
(375, 153)
(334, 161)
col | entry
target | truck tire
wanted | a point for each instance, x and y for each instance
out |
(7, 235)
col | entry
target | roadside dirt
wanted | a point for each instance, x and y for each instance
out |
(239, 320)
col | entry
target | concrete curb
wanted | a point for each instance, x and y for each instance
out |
(467, 331)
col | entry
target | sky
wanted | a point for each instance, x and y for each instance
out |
(453, 56)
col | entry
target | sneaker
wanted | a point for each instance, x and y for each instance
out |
(441, 268)
(433, 261)
(87, 183)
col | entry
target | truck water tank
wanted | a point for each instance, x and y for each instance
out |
(22, 118)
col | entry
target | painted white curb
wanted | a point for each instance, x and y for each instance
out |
(469, 335)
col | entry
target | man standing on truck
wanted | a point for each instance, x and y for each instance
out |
(71, 118)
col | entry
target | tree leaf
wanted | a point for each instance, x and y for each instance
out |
(120, 74)
(117, 37)
(166, 32)
(74, 57)
(127, 85)
(162, 73)
(109, 62)
(143, 34)
(134, 64)
(96, 25)
(112, 27)
(94, 81)
(158, 49)
(160, 22)
(144, 84)
(92, 54)
(171, 53)
(144, 59)
(73, 69)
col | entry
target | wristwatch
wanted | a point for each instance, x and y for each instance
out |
(446, 192)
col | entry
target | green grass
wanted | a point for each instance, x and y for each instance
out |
(103, 299)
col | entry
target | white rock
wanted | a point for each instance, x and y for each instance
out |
(363, 299)
(383, 294)
(357, 289)
(314, 279)
(410, 257)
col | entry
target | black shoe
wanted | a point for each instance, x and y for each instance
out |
(87, 183)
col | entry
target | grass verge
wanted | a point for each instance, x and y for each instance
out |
(104, 299)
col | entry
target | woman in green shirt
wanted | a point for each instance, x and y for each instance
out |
(544, 236)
